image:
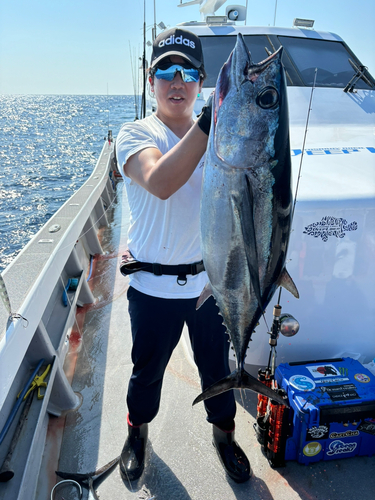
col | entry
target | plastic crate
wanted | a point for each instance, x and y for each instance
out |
(332, 409)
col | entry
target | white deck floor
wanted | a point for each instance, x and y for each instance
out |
(182, 463)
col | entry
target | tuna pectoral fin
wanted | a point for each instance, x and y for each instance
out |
(239, 379)
(243, 208)
(286, 282)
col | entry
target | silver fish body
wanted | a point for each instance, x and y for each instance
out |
(246, 201)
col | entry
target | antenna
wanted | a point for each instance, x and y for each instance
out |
(274, 17)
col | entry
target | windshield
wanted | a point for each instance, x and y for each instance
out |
(330, 58)
(300, 58)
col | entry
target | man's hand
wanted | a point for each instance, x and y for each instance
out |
(204, 117)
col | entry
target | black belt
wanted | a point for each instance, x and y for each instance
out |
(159, 269)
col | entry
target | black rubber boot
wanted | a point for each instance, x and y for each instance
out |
(231, 456)
(132, 459)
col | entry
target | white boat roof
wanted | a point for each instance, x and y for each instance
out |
(203, 29)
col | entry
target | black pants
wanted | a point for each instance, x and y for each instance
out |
(156, 329)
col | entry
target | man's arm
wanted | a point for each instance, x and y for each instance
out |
(162, 175)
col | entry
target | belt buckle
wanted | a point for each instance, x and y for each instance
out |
(197, 268)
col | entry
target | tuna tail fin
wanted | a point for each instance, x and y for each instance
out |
(286, 282)
(206, 294)
(240, 379)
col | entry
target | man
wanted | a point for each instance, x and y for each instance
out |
(160, 158)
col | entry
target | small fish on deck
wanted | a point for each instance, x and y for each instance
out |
(246, 202)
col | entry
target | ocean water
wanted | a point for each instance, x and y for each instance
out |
(49, 146)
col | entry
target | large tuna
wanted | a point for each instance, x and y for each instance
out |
(246, 202)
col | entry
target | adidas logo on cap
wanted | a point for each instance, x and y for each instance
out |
(177, 40)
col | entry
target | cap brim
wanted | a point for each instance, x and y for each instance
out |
(197, 64)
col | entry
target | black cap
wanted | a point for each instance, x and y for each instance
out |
(177, 42)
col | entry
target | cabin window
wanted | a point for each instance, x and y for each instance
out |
(330, 58)
(300, 58)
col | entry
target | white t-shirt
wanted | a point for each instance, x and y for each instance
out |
(161, 231)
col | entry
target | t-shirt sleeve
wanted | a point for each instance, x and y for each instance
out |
(132, 138)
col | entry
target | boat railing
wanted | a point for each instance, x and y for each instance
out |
(45, 284)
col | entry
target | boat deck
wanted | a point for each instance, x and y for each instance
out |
(182, 463)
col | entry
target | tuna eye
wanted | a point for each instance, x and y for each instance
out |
(268, 98)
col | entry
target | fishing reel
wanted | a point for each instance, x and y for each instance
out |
(285, 324)
(289, 326)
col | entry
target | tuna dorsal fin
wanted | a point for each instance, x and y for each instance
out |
(233, 71)
(286, 282)
(244, 208)
(206, 293)
(241, 61)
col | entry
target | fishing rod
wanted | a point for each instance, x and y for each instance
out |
(154, 28)
(109, 137)
(304, 142)
(302, 156)
(138, 80)
(108, 105)
(143, 105)
(135, 88)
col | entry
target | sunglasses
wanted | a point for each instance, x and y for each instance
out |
(168, 72)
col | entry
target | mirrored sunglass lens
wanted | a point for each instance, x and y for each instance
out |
(191, 75)
(165, 74)
(187, 74)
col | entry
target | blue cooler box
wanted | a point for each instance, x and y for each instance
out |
(332, 409)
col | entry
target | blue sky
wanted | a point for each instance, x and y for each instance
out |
(82, 46)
